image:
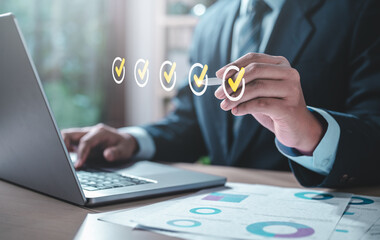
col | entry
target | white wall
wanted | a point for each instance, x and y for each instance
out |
(141, 34)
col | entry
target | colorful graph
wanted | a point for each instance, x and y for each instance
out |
(362, 201)
(258, 229)
(205, 210)
(185, 223)
(315, 195)
(225, 197)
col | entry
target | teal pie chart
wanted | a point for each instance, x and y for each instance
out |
(184, 223)
(300, 229)
(205, 210)
(314, 195)
(360, 201)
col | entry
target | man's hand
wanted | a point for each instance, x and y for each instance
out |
(116, 146)
(273, 95)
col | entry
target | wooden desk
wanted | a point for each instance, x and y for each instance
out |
(27, 214)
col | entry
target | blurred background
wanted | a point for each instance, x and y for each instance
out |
(73, 44)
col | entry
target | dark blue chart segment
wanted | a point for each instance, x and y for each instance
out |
(301, 230)
(315, 195)
(205, 211)
(360, 201)
(184, 223)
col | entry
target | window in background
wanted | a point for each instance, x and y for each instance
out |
(72, 46)
(178, 21)
(168, 31)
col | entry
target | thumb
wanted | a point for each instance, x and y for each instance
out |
(115, 153)
(220, 72)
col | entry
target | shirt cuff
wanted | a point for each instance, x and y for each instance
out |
(324, 155)
(147, 148)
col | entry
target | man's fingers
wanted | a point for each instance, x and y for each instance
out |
(260, 71)
(87, 142)
(268, 106)
(253, 58)
(115, 153)
(84, 150)
(268, 71)
(67, 142)
(258, 89)
(72, 136)
(259, 58)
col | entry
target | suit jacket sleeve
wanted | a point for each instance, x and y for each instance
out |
(357, 160)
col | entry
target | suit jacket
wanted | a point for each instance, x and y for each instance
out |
(335, 46)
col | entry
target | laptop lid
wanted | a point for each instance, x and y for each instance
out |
(32, 153)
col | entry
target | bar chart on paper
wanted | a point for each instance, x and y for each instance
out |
(225, 197)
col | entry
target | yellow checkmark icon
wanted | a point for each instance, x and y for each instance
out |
(198, 81)
(142, 73)
(235, 84)
(120, 68)
(168, 77)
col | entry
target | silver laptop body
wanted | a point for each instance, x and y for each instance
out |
(32, 153)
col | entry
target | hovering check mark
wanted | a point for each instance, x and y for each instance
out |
(142, 73)
(235, 84)
(199, 81)
(168, 77)
(120, 68)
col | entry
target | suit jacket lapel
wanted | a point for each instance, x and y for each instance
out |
(226, 34)
(290, 34)
(293, 28)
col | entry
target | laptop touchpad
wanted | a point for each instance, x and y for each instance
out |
(146, 168)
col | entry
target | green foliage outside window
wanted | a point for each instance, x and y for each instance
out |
(67, 40)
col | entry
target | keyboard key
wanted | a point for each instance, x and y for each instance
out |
(92, 180)
(90, 188)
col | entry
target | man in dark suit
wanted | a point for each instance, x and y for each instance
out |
(330, 60)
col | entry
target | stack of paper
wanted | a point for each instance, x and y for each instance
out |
(244, 211)
(362, 212)
(374, 232)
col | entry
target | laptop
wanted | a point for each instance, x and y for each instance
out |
(33, 155)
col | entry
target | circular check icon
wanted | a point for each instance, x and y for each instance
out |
(118, 70)
(171, 77)
(142, 73)
(199, 79)
(234, 84)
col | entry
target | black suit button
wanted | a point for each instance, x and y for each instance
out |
(351, 179)
(344, 178)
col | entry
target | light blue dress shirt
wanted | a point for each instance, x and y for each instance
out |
(147, 148)
(323, 156)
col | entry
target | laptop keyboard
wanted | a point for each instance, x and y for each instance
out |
(93, 180)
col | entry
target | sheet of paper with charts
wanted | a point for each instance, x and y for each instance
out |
(374, 232)
(361, 213)
(245, 211)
